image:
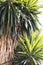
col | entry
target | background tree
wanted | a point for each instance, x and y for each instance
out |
(30, 53)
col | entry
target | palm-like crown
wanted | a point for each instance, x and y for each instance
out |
(14, 12)
(30, 53)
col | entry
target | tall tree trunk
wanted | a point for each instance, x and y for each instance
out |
(7, 47)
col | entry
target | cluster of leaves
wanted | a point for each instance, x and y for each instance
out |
(30, 53)
(23, 12)
(13, 12)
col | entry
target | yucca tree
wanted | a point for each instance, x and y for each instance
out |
(16, 16)
(18, 12)
(30, 53)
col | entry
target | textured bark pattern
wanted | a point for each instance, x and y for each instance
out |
(7, 47)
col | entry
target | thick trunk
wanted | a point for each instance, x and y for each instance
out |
(7, 46)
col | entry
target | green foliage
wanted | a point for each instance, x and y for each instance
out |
(30, 53)
(13, 12)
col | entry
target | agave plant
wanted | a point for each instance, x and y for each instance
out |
(30, 53)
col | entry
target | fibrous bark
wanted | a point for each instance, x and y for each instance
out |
(7, 47)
